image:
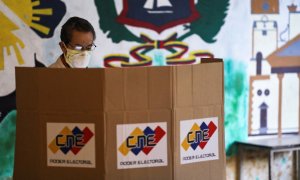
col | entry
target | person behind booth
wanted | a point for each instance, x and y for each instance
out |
(77, 43)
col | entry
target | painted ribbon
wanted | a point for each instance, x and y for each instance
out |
(177, 49)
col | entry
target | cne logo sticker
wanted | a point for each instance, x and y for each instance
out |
(198, 136)
(141, 145)
(199, 140)
(142, 141)
(71, 145)
(68, 140)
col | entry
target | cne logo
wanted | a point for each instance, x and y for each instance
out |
(198, 136)
(142, 140)
(70, 140)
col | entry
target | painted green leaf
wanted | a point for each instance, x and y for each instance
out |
(114, 30)
(212, 17)
(7, 145)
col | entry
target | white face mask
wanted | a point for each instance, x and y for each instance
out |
(77, 59)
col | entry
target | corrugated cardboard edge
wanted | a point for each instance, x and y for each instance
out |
(223, 116)
(173, 124)
(174, 103)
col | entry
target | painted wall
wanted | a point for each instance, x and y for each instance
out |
(233, 30)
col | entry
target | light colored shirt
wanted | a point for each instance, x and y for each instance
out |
(58, 64)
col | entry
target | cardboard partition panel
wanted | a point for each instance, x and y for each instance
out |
(121, 123)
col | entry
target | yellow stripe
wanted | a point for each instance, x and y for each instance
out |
(18, 54)
(41, 28)
(123, 149)
(1, 60)
(143, 46)
(8, 50)
(200, 51)
(136, 63)
(155, 44)
(176, 43)
(171, 56)
(185, 144)
(52, 146)
(117, 55)
(22, 45)
(35, 18)
(35, 3)
(42, 11)
(181, 60)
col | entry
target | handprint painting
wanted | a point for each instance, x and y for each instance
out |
(42, 17)
(24, 27)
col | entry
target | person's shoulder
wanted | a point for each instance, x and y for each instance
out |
(57, 64)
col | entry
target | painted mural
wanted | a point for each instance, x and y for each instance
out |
(259, 41)
(274, 68)
(18, 20)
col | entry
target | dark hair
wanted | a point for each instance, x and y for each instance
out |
(75, 23)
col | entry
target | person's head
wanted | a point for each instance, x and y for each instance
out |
(77, 41)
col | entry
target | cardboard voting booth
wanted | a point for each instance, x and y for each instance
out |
(121, 123)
